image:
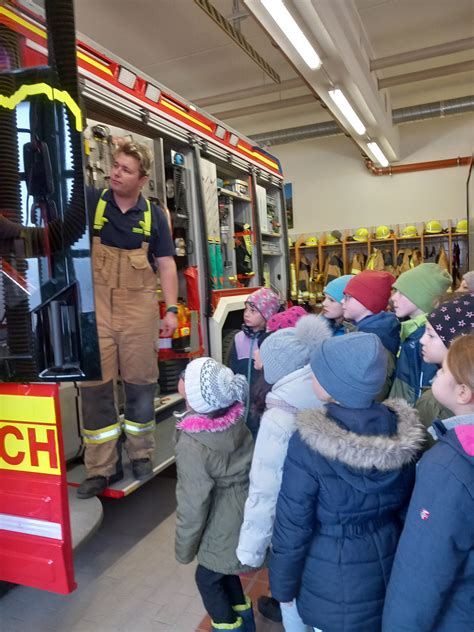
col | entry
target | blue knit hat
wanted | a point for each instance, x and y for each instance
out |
(335, 288)
(351, 368)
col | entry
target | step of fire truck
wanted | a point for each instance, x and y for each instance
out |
(164, 451)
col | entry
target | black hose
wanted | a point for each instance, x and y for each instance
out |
(17, 308)
(62, 57)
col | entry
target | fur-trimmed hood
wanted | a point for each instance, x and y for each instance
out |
(223, 433)
(361, 451)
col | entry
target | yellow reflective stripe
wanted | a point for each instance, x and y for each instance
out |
(22, 22)
(181, 112)
(95, 63)
(95, 437)
(135, 428)
(53, 94)
(34, 29)
(145, 223)
(256, 154)
(147, 219)
(27, 408)
(228, 626)
(99, 219)
(242, 607)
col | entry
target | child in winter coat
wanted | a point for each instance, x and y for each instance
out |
(415, 294)
(467, 283)
(259, 307)
(446, 322)
(432, 584)
(288, 318)
(366, 297)
(261, 388)
(285, 356)
(332, 303)
(348, 476)
(213, 456)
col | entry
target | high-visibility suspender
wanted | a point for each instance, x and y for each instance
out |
(100, 219)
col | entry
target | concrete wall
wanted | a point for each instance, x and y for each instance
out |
(332, 188)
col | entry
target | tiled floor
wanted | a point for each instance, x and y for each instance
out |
(128, 579)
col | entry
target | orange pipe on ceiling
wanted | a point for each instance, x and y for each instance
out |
(417, 166)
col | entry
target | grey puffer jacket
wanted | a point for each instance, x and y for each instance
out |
(213, 458)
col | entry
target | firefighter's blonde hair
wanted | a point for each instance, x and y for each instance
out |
(138, 151)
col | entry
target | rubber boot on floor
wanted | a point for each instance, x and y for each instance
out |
(246, 612)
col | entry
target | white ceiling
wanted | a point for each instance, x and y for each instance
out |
(175, 42)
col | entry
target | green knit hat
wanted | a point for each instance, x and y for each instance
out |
(423, 284)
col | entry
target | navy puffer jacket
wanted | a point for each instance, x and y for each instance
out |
(347, 478)
(432, 585)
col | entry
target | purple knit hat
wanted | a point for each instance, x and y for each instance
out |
(266, 301)
(453, 318)
(285, 319)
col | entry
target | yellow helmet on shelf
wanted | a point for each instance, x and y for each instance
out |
(461, 226)
(361, 234)
(331, 239)
(409, 231)
(312, 241)
(434, 226)
(382, 232)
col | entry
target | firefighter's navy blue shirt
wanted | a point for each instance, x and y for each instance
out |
(118, 229)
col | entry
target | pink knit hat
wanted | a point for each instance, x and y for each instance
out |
(285, 319)
(266, 301)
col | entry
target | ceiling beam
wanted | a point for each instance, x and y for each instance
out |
(428, 73)
(249, 93)
(238, 38)
(266, 107)
(422, 53)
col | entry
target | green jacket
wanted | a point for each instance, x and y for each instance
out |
(430, 409)
(213, 458)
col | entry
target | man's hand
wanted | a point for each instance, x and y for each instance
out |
(169, 324)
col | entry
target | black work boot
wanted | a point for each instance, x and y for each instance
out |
(269, 608)
(92, 486)
(142, 468)
(95, 485)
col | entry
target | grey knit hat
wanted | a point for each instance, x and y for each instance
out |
(211, 386)
(351, 368)
(469, 278)
(290, 349)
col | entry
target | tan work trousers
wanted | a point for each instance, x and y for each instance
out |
(127, 322)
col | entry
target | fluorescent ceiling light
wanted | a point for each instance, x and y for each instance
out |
(378, 153)
(346, 109)
(295, 35)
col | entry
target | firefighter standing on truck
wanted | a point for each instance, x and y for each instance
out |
(131, 240)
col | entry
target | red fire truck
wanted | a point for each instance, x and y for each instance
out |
(64, 101)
